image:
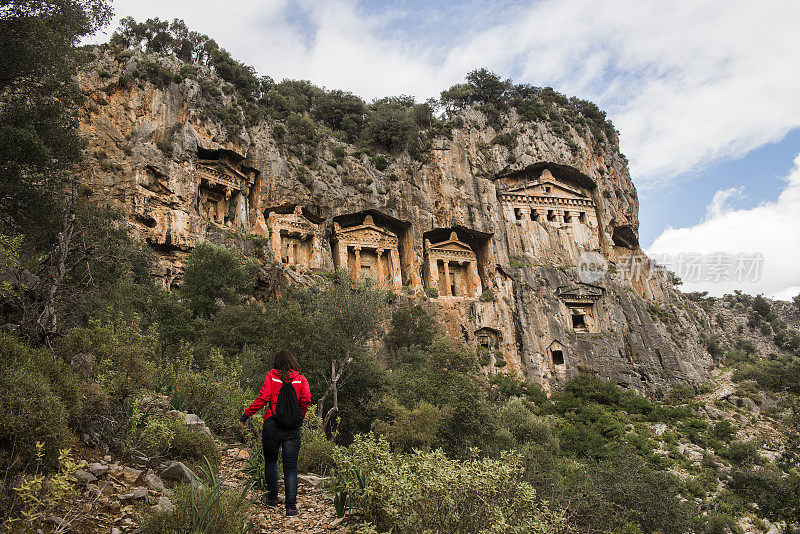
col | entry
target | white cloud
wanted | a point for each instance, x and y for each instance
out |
(721, 203)
(769, 229)
(686, 82)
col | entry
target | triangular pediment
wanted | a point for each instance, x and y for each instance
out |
(451, 245)
(363, 228)
(537, 188)
(223, 167)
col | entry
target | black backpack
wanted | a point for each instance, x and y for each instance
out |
(287, 408)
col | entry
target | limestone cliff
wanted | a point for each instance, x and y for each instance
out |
(486, 234)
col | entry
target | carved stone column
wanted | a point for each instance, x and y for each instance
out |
(394, 269)
(290, 259)
(447, 288)
(357, 273)
(381, 276)
(314, 259)
(275, 239)
(430, 266)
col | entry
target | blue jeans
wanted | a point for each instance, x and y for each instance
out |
(273, 437)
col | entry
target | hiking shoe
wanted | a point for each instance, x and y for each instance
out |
(291, 511)
(269, 503)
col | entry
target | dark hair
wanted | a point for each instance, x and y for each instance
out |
(285, 362)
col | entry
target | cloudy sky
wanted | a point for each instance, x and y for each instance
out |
(705, 93)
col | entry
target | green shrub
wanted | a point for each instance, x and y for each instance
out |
(213, 392)
(724, 431)
(518, 418)
(159, 435)
(507, 139)
(428, 492)
(777, 374)
(777, 496)
(744, 453)
(608, 495)
(407, 429)
(411, 326)
(316, 451)
(432, 292)
(380, 162)
(122, 352)
(487, 296)
(716, 523)
(215, 273)
(40, 396)
(390, 123)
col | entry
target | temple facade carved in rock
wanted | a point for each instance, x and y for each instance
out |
(581, 307)
(452, 268)
(535, 205)
(368, 251)
(223, 187)
(294, 237)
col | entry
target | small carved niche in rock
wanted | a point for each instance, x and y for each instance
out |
(556, 351)
(487, 338)
(580, 303)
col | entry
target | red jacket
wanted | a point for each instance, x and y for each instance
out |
(271, 388)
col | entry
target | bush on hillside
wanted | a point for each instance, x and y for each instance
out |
(412, 326)
(40, 395)
(212, 392)
(426, 491)
(610, 495)
(215, 274)
(316, 451)
(209, 508)
(121, 352)
(162, 436)
(407, 429)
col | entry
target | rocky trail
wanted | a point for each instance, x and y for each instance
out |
(314, 503)
(113, 495)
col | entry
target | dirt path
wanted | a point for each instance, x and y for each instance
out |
(315, 507)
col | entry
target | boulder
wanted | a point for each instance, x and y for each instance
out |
(131, 475)
(750, 405)
(107, 487)
(85, 476)
(196, 424)
(138, 493)
(178, 472)
(98, 469)
(314, 481)
(153, 482)
(164, 505)
(714, 412)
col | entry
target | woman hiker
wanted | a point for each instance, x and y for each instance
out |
(287, 396)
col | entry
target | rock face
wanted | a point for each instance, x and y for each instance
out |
(492, 240)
